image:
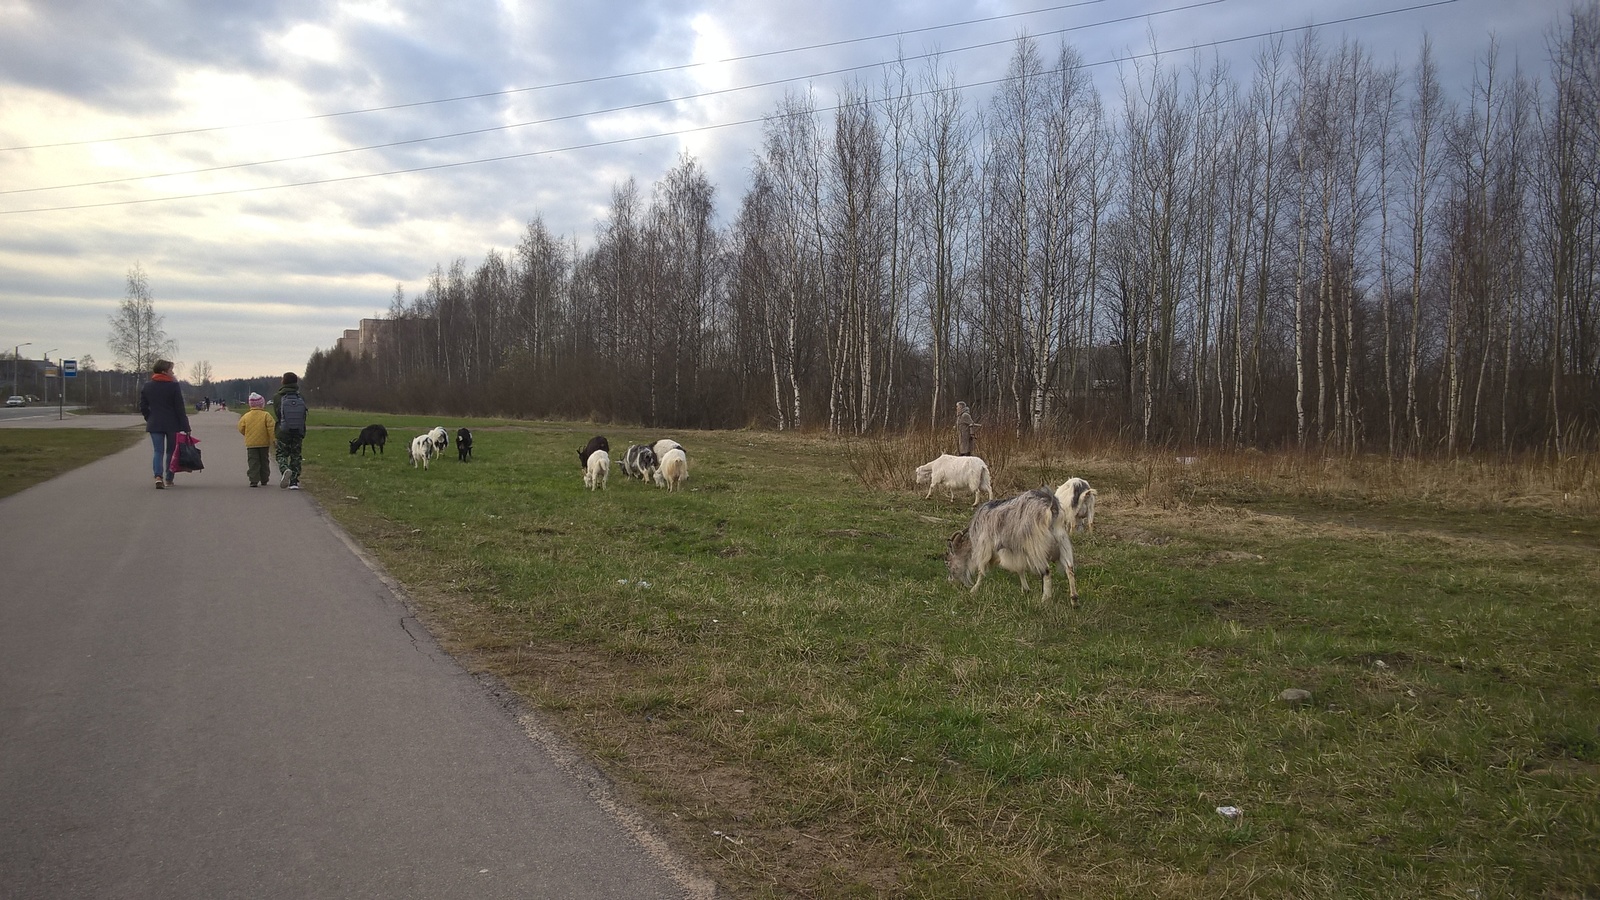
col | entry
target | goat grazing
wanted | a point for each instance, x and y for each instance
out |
(661, 447)
(423, 450)
(598, 442)
(639, 462)
(374, 436)
(597, 471)
(1023, 534)
(440, 438)
(966, 472)
(464, 444)
(674, 469)
(1077, 497)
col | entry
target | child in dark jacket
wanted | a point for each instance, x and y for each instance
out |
(289, 409)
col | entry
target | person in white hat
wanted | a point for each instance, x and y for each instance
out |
(259, 432)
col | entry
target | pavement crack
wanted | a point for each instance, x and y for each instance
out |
(416, 642)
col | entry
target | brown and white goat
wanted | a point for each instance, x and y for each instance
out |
(1078, 497)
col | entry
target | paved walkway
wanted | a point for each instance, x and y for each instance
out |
(205, 692)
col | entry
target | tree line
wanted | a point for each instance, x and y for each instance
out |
(1327, 251)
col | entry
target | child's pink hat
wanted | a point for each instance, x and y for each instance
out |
(257, 401)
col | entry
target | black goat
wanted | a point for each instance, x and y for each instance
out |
(374, 436)
(598, 442)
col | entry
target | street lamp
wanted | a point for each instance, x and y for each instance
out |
(47, 374)
(16, 368)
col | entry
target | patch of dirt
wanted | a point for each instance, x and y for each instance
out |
(1249, 611)
(1398, 659)
(1132, 534)
(1568, 768)
(1221, 557)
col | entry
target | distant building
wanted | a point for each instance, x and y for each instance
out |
(350, 343)
(376, 335)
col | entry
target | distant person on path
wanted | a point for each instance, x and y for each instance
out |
(289, 409)
(165, 414)
(964, 426)
(258, 430)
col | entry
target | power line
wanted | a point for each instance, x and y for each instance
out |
(560, 84)
(703, 128)
(600, 112)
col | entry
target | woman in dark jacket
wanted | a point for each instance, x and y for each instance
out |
(161, 404)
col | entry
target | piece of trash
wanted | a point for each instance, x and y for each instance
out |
(644, 584)
(1188, 460)
(729, 838)
(1380, 664)
(1229, 812)
(622, 581)
(739, 711)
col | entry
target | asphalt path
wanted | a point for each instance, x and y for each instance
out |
(210, 692)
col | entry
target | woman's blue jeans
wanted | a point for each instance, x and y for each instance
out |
(161, 462)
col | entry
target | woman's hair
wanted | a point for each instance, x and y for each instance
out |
(162, 365)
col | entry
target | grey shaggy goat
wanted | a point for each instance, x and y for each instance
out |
(1022, 534)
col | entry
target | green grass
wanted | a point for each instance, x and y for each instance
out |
(812, 708)
(31, 455)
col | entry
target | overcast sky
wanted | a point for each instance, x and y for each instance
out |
(112, 111)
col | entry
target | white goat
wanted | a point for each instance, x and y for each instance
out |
(1077, 498)
(440, 438)
(673, 470)
(597, 471)
(966, 472)
(1024, 534)
(423, 449)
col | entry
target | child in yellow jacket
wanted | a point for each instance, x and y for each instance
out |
(258, 429)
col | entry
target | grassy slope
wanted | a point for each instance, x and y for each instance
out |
(807, 702)
(31, 455)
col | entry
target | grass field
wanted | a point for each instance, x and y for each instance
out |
(31, 455)
(774, 663)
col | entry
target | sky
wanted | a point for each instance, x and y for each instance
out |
(232, 150)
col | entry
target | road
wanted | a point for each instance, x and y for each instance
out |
(209, 692)
(40, 415)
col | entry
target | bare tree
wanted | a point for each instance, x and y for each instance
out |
(945, 186)
(138, 336)
(1569, 197)
(1427, 111)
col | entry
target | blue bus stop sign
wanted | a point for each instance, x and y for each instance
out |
(69, 368)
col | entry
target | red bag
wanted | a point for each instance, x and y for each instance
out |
(186, 455)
